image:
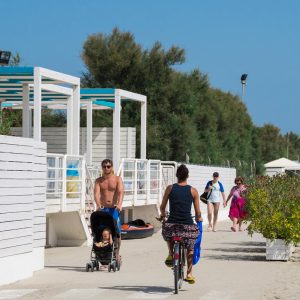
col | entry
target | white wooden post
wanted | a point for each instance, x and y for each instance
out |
(135, 183)
(69, 125)
(37, 105)
(64, 184)
(76, 120)
(116, 129)
(160, 191)
(26, 113)
(89, 133)
(148, 182)
(129, 142)
(143, 129)
(83, 185)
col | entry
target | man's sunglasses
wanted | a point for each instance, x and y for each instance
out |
(106, 167)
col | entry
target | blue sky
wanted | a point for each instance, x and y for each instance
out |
(223, 38)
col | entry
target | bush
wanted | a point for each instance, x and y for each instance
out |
(273, 205)
(5, 124)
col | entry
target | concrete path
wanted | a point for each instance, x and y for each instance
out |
(232, 266)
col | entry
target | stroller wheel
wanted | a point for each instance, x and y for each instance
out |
(118, 266)
(87, 267)
(109, 267)
(97, 265)
(114, 266)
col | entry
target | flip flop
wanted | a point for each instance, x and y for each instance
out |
(169, 261)
(190, 280)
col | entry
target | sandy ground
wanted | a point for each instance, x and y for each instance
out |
(232, 266)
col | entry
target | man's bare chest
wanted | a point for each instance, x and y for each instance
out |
(108, 185)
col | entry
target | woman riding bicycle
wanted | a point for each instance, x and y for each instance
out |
(180, 222)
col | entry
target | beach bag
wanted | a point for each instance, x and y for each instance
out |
(205, 195)
(197, 246)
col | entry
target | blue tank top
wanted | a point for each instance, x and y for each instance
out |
(180, 199)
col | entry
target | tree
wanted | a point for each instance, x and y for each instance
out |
(185, 114)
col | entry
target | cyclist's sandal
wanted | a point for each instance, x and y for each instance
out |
(169, 261)
(190, 280)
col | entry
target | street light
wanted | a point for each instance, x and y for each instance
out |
(243, 82)
(4, 57)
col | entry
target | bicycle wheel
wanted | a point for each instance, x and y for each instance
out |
(181, 266)
(176, 266)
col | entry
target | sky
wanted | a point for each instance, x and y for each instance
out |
(222, 38)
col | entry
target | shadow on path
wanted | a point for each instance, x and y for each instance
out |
(248, 251)
(237, 257)
(67, 268)
(143, 289)
(239, 250)
(248, 244)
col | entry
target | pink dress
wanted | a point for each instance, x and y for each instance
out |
(237, 207)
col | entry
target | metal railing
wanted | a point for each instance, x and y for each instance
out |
(66, 176)
(70, 183)
(90, 205)
(142, 181)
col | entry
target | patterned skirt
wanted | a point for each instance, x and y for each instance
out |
(188, 233)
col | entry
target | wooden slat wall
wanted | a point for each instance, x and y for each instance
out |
(22, 195)
(56, 139)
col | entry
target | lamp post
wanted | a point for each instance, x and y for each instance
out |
(4, 57)
(243, 82)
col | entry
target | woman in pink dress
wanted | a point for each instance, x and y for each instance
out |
(237, 208)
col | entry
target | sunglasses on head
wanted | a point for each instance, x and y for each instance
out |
(106, 167)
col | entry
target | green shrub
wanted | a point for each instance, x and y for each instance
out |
(5, 123)
(273, 205)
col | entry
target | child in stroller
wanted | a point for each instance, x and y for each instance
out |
(105, 242)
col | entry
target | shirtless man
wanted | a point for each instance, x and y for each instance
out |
(109, 193)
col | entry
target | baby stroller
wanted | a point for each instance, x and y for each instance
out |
(103, 255)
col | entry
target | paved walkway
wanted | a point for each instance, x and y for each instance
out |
(232, 266)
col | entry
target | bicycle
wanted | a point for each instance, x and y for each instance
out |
(179, 255)
(178, 259)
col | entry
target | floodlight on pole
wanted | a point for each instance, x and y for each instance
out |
(243, 82)
(4, 57)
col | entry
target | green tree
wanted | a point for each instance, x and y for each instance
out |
(185, 114)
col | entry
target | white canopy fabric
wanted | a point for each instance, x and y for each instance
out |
(283, 163)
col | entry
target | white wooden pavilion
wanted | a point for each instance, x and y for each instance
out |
(32, 88)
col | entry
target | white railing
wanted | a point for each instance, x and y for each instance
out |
(66, 176)
(90, 205)
(142, 181)
(168, 174)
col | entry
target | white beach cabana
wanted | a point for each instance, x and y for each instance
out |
(34, 88)
(281, 165)
(29, 88)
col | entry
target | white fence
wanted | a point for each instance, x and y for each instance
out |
(65, 183)
(22, 207)
(142, 181)
(199, 175)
